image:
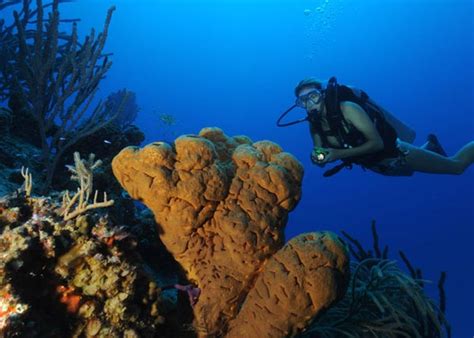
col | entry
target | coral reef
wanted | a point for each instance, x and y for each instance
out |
(221, 204)
(80, 277)
(71, 273)
(50, 80)
(382, 300)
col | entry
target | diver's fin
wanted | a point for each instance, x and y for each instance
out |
(433, 145)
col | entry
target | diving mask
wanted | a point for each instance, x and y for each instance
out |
(315, 96)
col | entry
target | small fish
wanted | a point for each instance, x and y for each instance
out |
(62, 138)
(167, 119)
(107, 142)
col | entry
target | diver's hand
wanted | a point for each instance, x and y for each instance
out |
(321, 156)
(331, 155)
(314, 157)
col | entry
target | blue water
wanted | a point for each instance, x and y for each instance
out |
(234, 64)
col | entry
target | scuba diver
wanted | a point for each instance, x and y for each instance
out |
(346, 125)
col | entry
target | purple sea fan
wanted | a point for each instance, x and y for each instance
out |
(123, 101)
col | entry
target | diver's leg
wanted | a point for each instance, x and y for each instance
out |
(429, 162)
(466, 155)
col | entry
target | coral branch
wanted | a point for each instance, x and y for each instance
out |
(362, 254)
(408, 264)
(54, 78)
(378, 254)
(442, 294)
(442, 303)
(83, 173)
(383, 301)
(28, 185)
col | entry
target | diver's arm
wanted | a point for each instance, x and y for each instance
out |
(354, 114)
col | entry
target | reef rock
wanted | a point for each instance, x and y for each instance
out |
(77, 278)
(221, 204)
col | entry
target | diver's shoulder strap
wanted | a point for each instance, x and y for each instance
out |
(334, 95)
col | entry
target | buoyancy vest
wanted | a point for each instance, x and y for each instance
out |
(346, 134)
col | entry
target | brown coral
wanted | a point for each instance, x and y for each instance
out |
(221, 204)
(303, 278)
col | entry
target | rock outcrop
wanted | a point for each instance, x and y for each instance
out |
(82, 277)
